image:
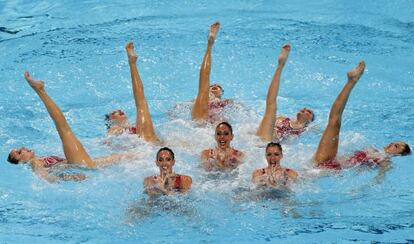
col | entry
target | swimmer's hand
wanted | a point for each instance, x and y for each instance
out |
(276, 179)
(155, 186)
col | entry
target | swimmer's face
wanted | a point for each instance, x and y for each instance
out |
(396, 148)
(223, 136)
(216, 90)
(22, 155)
(273, 156)
(305, 115)
(117, 116)
(165, 161)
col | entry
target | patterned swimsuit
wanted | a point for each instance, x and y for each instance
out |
(283, 129)
(215, 107)
(51, 161)
(358, 158)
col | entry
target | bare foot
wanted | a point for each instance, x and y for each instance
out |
(284, 53)
(132, 56)
(35, 84)
(356, 73)
(214, 28)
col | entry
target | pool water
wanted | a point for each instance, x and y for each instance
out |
(78, 50)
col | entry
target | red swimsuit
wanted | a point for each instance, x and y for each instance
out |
(358, 158)
(283, 129)
(131, 130)
(215, 107)
(51, 161)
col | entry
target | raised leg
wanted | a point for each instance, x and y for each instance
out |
(328, 145)
(145, 127)
(200, 108)
(265, 130)
(73, 149)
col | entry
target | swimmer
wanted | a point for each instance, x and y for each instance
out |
(325, 155)
(117, 121)
(209, 102)
(223, 157)
(167, 181)
(281, 126)
(274, 175)
(72, 147)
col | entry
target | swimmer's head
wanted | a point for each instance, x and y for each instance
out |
(116, 117)
(274, 154)
(216, 90)
(224, 135)
(165, 160)
(305, 116)
(397, 148)
(21, 155)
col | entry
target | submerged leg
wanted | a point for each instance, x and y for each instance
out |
(265, 130)
(73, 149)
(200, 108)
(328, 145)
(145, 127)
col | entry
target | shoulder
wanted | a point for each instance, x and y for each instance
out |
(207, 152)
(291, 173)
(259, 172)
(150, 179)
(115, 130)
(282, 118)
(186, 179)
(237, 153)
(184, 182)
(37, 163)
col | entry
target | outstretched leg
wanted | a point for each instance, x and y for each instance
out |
(73, 149)
(328, 145)
(265, 130)
(200, 108)
(145, 127)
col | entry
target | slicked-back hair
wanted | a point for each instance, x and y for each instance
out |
(226, 124)
(274, 144)
(165, 149)
(406, 151)
(12, 159)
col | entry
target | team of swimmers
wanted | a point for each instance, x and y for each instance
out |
(208, 106)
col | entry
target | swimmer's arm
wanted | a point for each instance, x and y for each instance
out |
(111, 159)
(384, 166)
(44, 174)
(258, 178)
(205, 160)
(240, 156)
(186, 182)
(237, 158)
(292, 174)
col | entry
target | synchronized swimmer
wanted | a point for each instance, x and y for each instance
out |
(208, 106)
(117, 121)
(72, 147)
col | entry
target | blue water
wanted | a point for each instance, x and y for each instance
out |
(78, 49)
